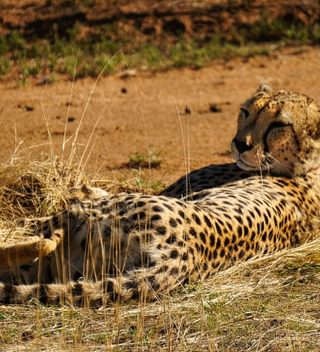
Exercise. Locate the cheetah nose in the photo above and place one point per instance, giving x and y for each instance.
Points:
(242, 146)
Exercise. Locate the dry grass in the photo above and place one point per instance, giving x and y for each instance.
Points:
(266, 304)
(269, 304)
(32, 189)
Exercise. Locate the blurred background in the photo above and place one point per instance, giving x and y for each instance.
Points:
(48, 38)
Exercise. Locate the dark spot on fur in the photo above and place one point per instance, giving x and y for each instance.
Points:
(239, 219)
(257, 210)
(196, 218)
(171, 239)
(161, 230)
(174, 271)
(109, 288)
(155, 217)
(138, 216)
(249, 221)
(140, 204)
(172, 222)
(212, 240)
(77, 289)
(192, 232)
(179, 221)
(207, 221)
(203, 237)
(42, 294)
(8, 293)
(218, 228)
(157, 209)
(168, 206)
(181, 214)
(174, 254)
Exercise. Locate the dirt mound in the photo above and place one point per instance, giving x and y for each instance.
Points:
(157, 21)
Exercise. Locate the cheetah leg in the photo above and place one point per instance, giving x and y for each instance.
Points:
(23, 253)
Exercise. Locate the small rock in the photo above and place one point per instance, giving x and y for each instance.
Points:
(25, 107)
(124, 90)
(71, 119)
(214, 108)
(127, 73)
(44, 81)
(187, 110)
(119, 128)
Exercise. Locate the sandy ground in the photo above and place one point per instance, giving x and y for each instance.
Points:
(166, 114)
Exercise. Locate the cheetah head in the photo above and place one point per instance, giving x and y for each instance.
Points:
(278, 131)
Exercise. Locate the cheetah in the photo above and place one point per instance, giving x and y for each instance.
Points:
(135, 246)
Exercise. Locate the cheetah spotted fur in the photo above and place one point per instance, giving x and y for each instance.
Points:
(134, 246)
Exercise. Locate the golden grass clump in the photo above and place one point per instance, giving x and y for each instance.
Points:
(32, 189)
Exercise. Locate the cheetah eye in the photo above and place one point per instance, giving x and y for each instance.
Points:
(244, 112)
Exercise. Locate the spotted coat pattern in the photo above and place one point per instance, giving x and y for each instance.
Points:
(135, 246)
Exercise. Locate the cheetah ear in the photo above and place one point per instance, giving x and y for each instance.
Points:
(264, 88)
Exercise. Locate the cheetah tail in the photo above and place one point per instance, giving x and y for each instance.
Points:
(81, 293)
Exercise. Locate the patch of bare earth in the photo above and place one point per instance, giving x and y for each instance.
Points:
(185, 117)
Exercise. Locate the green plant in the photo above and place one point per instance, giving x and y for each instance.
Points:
(5, 65)
(140, 160)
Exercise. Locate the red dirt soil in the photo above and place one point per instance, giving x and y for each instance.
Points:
(147, 113)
